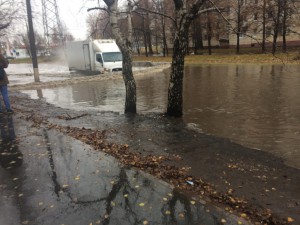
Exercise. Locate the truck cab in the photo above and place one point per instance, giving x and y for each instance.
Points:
(108, 56)
(109, 61)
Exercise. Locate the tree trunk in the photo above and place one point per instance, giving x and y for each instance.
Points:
(238, 28)
(176, 79)
(183, 21)
(284, 26)
(125, 45)
(165, 46)
(209, 33)
(130, 103)
(276, 28)
(137, 43)
(263, 47)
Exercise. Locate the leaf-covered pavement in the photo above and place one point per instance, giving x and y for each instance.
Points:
(162, 166)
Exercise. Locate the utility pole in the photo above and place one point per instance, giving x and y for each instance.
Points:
(53, 30)
(32, 43)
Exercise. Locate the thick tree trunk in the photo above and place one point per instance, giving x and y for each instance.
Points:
(125, 45)
(183, 21)
(176, 79)
(130, 103)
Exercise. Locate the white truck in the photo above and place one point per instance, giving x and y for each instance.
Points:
(96, 56)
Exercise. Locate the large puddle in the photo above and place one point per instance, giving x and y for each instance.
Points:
(256, 106)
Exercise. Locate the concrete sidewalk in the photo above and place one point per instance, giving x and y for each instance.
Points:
(47, 177)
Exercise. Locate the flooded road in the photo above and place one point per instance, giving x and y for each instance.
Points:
(257, 106)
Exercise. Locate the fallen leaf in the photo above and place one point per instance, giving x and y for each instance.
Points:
(290, 220)
(167, 212)
(181, 215)
(223, 221)
(244, 215)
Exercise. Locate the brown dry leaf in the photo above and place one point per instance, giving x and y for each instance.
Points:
(181, 215)
(290, 220)
(244, 215)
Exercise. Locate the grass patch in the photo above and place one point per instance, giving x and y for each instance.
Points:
(252, 58)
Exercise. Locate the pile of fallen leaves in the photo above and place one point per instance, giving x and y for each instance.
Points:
(157, 166)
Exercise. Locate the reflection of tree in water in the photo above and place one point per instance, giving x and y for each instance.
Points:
(127, 197)
(10, 156)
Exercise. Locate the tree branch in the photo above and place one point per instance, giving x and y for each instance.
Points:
(98, 8)
(153, 12)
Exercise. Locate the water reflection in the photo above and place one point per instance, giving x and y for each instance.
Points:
(10, 156)
(94, 189)
(255, 105)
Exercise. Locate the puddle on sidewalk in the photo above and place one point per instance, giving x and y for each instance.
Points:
(62, 181)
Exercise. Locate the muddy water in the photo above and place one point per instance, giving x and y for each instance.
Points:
(256, 106)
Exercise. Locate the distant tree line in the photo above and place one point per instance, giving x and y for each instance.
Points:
(261, 23)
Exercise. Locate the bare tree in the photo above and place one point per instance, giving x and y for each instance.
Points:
(8, 12)
(183, 20)
(124, 41)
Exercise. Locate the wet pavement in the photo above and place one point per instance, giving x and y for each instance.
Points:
(50, 178)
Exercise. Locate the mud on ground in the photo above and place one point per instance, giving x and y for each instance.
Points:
(251, 183)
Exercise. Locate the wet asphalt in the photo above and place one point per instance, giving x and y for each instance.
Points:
(47, 177)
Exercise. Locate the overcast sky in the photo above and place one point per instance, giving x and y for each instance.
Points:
(73, 13)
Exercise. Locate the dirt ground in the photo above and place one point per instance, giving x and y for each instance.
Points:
(251, 183)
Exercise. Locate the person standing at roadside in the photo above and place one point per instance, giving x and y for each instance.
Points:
(3, 84)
